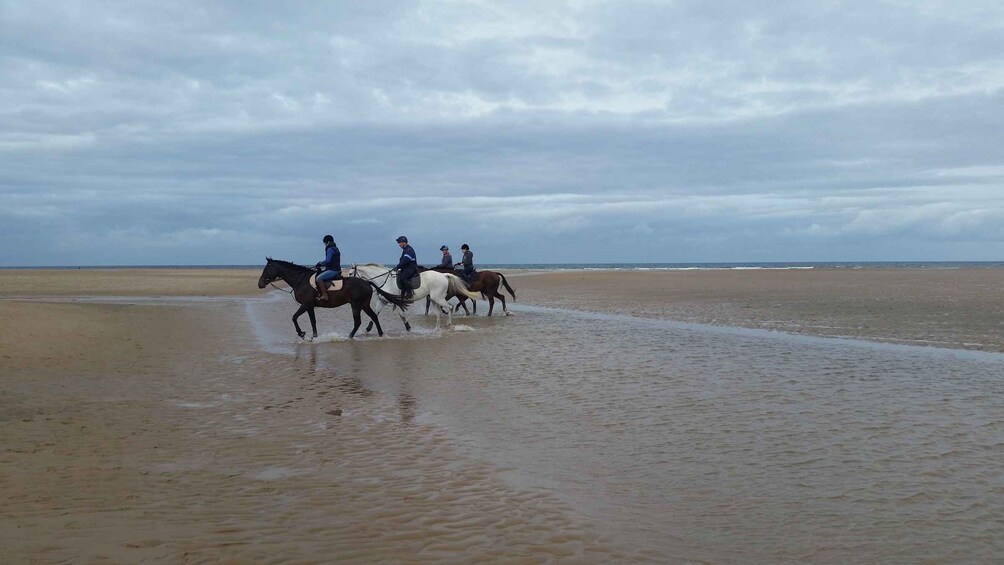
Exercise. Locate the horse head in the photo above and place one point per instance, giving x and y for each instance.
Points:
(268, 274)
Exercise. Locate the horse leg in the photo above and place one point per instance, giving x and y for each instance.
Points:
(296, 325)
(444, 307)
(357, 320)
(373, 318)
(379, 307)
(404, 320)
(505, 309)
(491, 305)
(428, 302)
(313, 320)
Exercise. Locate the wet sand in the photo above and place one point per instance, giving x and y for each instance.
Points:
(135, 432)
(165, 432)
(956, 308)
(128, 282)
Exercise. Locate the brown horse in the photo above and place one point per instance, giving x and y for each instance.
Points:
(355, 291)
(485, 282)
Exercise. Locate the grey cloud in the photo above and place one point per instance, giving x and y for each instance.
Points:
(215, 132)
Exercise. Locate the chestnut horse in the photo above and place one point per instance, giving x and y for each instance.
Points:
(485, 282)
(355, 291)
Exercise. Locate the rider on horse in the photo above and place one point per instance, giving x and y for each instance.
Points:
(468, 263)
(447, 258)
(331, 266)
(407, 267)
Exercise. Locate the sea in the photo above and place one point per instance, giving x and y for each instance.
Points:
(626, 266)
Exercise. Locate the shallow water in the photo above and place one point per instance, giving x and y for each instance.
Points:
(548, 436)
(695, 443)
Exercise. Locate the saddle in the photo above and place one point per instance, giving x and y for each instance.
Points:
(330, 285)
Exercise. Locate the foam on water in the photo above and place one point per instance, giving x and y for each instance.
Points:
(196, 405)
(330, 337)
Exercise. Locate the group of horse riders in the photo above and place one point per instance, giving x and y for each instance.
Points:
(407, 266)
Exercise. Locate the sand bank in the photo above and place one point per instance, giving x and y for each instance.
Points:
(129, 282)
(961, 308)
(957, 308)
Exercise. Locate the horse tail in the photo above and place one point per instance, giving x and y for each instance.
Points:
(506, 283)
(458, 287)
(395, 300)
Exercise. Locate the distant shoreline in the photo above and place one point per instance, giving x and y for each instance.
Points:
(768, 265)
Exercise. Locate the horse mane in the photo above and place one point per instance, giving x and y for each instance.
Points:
(289, 264)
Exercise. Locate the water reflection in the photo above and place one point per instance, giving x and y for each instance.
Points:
(408, 406)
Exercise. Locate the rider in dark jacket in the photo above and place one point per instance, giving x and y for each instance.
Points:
(467, 262)
(331, 266)
(406, 267)
(447, 258)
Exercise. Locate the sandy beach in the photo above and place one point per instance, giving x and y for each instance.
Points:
(128, 282)
(179, 430)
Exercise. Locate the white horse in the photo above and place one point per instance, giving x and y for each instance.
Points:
(437, 286)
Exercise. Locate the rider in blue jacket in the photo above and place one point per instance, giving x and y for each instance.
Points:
(331, 266)
(406, 267)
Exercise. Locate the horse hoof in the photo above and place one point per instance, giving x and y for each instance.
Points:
(302, 335)
(407, 327)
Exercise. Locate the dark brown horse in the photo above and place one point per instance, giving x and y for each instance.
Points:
(355, 291)
(485, 282)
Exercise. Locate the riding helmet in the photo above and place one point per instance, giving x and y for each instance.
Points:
(402, 239)
(328, 239)
(444, 248)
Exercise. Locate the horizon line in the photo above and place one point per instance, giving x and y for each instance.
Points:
(244, 265)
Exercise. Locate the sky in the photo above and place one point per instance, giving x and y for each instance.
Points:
(216, 133)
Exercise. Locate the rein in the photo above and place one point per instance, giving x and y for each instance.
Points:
(282, 289)
(386, 275)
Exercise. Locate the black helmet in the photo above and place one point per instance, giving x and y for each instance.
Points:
(465, 246)
(444, 248)
(328, 239)
(401, 239)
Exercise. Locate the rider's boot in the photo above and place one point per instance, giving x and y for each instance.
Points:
(322, 290)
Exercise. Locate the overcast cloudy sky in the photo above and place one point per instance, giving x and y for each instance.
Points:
(581, 131)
